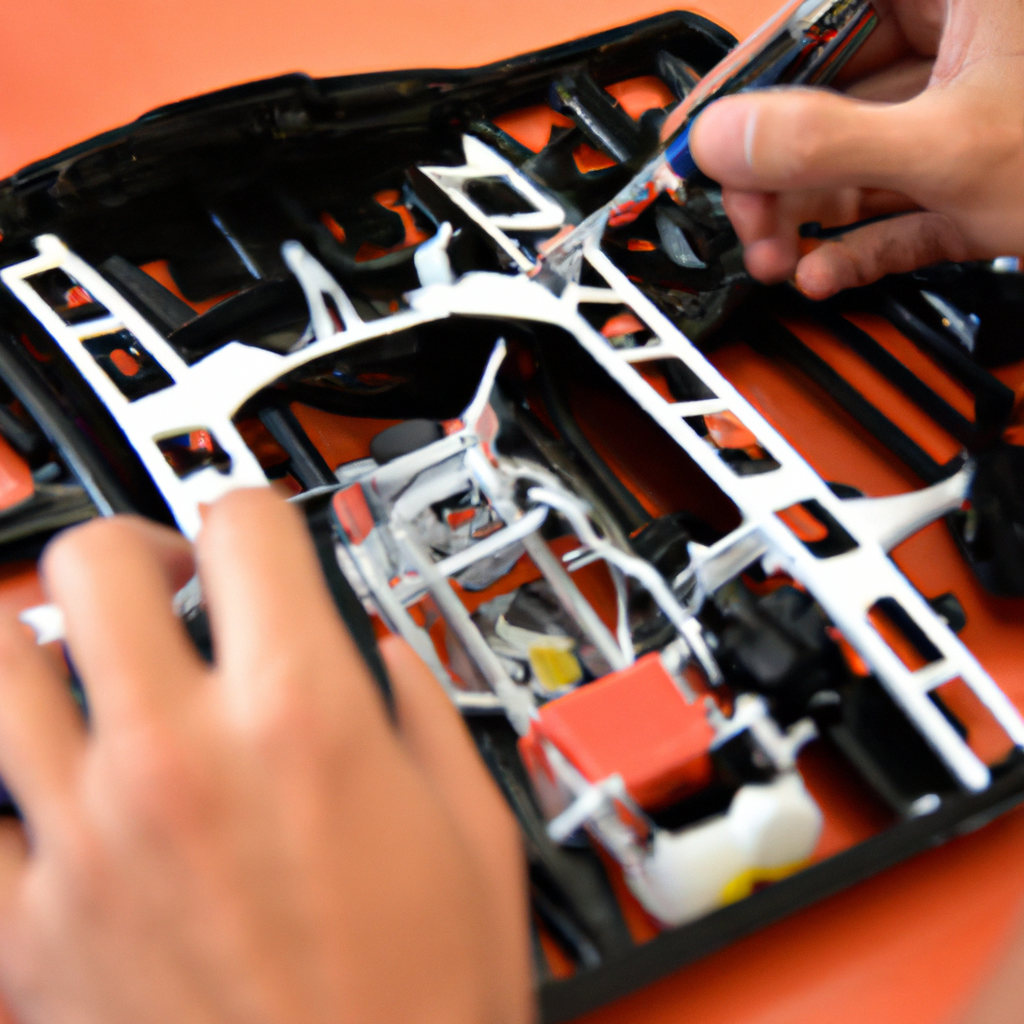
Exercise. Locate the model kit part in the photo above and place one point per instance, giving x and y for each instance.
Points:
(636, 723)
(769, 832)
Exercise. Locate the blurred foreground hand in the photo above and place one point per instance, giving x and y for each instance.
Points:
(932, 121)
(252, 842)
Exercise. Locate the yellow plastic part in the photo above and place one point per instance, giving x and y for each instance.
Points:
(553, 666)
(743, 884)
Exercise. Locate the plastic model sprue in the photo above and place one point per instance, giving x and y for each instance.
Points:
(615, 499)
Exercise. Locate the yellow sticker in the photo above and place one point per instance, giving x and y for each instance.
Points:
(743, 884)
(554, 667)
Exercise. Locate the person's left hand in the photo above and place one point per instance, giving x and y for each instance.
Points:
(251, 842)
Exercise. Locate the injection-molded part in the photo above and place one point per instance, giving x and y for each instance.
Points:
(768, 833)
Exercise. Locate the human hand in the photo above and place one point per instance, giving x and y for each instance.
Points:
(932, 122)
(250, 842)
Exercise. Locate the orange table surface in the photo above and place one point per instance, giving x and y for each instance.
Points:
(910, 945)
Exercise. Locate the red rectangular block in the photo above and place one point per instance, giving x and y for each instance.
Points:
(637, 723)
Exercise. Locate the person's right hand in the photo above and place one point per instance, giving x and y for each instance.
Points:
(932, 122)
(251, 842)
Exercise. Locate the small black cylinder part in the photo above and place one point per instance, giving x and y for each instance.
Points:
(403, 438)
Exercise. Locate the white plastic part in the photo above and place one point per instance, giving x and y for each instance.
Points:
(431, 258)
(846, 586)
(317, 283)
(484, 163)
(205, 395)
(751, 712)
(594, 798)
(894, 519)
(768, 832)
(46, 621)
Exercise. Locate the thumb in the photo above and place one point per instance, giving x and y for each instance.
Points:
(783, 139)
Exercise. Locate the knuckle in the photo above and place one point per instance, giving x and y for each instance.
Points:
(287, 716)
(161, 781)
(87, 867)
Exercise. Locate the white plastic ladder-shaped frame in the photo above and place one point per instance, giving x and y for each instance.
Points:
(847, 586)
(204, 395)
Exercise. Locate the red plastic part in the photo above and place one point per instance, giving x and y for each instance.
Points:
(637, 723)
(353, 513)
(15, 477)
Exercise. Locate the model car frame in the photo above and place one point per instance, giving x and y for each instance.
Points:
(368, 293)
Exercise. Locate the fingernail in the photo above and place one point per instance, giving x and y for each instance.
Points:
(723, 138)
(748, 137)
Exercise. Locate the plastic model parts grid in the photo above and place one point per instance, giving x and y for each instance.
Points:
(420, 350)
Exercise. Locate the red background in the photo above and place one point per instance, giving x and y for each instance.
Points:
(909, 946)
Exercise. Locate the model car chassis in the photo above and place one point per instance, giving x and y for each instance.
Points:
(544, 459)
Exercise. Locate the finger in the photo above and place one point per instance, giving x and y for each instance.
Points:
(114, 580)
(771, 246)
(754, 215)
(906, 31)
(900, 81)
(893, 246)
(769, 224)
(42, 733)
(173, 553)
(273, 621)
(785, 139)
(437, 739)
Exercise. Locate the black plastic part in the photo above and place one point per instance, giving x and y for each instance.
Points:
(995, 297)
(772, 339)
(403, 438)
(572, 939)
(606, 125)
(664, 540)
(990, 532)
(162, 308)
(677, 74)
(663, 543)
(993, 400)
(90, 470)
(24, 439)
(877, 356)
(950, 608)
(496, 197)
(305, 462)
(272, 314)
(776, 645)
(619, 498)
(573, 879)
(890, 754)
(959, 814)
